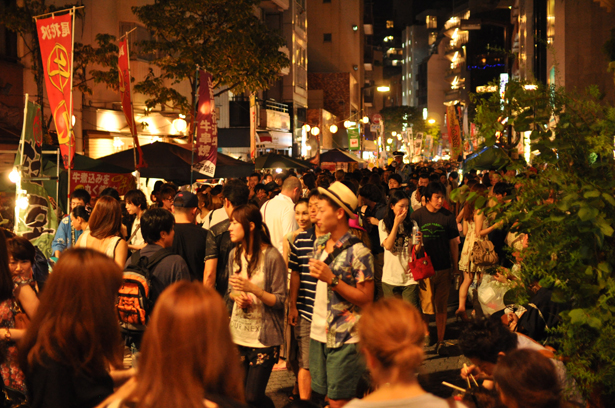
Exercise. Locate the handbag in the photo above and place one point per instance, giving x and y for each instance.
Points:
(483, 254)
(12, 398)
(420, 268)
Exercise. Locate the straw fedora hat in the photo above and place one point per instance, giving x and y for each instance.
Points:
(343, 196)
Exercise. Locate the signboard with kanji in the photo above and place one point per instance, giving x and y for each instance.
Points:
(207, 128)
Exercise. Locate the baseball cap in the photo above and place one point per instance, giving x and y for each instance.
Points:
(185, 199)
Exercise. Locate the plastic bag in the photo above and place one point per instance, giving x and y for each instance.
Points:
(491, 294)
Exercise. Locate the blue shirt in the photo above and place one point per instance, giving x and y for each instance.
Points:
(64, 236)
(298, 262)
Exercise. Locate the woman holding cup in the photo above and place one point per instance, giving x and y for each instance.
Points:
(258, 288)
(397, 239)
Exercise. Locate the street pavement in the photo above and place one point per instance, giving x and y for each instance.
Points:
(434, 370)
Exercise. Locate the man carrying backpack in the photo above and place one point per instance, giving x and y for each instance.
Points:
(154, 266)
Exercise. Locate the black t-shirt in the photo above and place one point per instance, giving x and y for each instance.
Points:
(189, 243)
(219, 246)
(57, 385)
(438, 229)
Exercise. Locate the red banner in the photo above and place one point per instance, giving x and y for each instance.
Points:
(454, 132)
(207, 128)
(95, 182)
(56, 42)
(125, 96)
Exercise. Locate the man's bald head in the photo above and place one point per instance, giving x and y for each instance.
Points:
(292, 188)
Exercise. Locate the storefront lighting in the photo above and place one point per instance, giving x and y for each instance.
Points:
(431, 121)
(308, 147)
(530, 87)
(278, 170)
(389, 140)
(14, 176)
(315, 131)
(181, 115)
(73, 120)
(348, 124)
(180, 125)
(365, 119)
(398, 137)
(22, 202)
(333, 128)
(383, 88)
(306, 127)
(394, 133)
(117, 142)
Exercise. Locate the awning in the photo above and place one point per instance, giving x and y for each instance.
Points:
(339, 156)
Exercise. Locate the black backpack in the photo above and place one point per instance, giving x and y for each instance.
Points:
(133, 302)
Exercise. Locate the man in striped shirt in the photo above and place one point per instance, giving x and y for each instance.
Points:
(302, 294)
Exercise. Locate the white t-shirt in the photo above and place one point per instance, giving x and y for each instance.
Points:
(414, 202)
(216, 216)
(395, 268)
(137, 239)
(318, 329)
(279, 216)
(246, 323)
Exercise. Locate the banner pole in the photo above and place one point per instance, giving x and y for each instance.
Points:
(20, 154)
(194, 108)
(133, 129)
(71, 136)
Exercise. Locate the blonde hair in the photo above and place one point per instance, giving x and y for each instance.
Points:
(392, 331)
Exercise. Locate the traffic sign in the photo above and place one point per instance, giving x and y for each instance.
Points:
(376, 118)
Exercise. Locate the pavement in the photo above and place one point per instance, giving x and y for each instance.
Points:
(432, 372)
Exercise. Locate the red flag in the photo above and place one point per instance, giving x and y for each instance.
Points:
(124, 70)
(207, 128)
(56, 42)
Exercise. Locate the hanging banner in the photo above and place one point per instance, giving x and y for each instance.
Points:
(354, 140)
(252, 126)
(418, 144)
(35, 215)
(95, 182)
(207, 127)
(56, 43)
(454, 132)
(125, 96)
(428, 146)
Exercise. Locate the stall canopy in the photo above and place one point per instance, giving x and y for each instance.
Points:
(172, 162)
(277, 161)
(489, 158)
(339, 156)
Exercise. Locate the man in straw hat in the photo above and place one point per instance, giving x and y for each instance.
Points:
(344, 269)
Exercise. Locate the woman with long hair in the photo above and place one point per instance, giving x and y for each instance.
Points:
(106, 231)
(74, 339)
(525, 378)
(396, 238)
(391, 336)
(475, 228)
(17, 297)
(258, 288)
(187, 355)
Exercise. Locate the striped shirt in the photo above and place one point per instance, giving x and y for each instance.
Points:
(298, 262)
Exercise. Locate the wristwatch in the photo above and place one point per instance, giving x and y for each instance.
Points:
(334, 281)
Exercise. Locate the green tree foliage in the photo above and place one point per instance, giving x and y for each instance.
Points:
(399, 118)
(230, 42)
(568, 212)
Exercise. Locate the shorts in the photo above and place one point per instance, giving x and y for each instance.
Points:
(302, 335)
(335, 371)
(408, 293)
(440, 289)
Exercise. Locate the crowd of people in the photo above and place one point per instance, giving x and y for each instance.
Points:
(311, 268)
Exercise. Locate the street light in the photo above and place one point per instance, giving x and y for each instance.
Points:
(333, 128)
(315, 131)
(431, 121)
(306, 127)
(365, 119)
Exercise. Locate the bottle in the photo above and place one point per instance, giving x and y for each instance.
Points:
(415, 230)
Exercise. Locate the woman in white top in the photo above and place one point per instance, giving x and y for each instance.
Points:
(105, 231)
(391, 336)
(396, 238)
(258, 288)
(136, 204)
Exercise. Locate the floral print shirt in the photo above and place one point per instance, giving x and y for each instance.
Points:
(353, 265)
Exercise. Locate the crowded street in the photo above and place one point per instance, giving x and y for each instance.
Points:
(307, 204)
